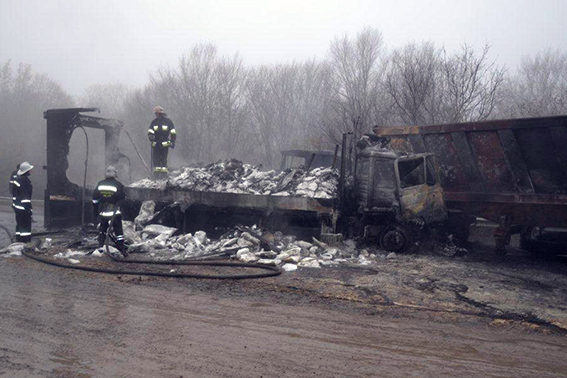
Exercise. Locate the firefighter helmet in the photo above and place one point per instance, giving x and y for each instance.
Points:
(158, 109)
(111, 172)
(24, 167)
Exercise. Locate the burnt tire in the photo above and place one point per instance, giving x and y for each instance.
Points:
(396, 239)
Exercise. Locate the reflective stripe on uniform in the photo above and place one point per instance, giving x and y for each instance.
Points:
(150, 131)
(173, 131)
(26, 201)
(156, 127)
(164, 127)
(165, 144)
(19, 207)
(17, 184)
(109, 213)
(25, 233)
(108, 188)
(95, 201)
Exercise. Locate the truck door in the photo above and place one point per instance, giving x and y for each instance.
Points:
(420, 192)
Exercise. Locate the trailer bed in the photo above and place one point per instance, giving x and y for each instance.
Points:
(261, 203)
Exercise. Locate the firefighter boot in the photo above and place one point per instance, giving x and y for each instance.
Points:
(122, 247)
(101, 239)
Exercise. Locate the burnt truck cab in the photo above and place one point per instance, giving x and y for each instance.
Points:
(397, 195)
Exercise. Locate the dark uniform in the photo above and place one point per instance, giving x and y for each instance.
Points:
(106, 201)
(13, 177)
(21, 203)
(162, 134)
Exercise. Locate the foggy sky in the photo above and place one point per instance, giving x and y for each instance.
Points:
(79, 43)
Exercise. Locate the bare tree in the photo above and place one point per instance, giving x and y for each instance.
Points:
(470, 85)
(285, 103)
(24, 96)
(412, 82)
(110, 98)
(539, 88)
(357, 71)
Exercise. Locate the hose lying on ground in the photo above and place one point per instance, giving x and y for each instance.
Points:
(272, 270)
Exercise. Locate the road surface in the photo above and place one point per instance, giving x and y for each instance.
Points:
(63, 323)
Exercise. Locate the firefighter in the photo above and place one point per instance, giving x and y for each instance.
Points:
(21, 202)
(162, 135)
(13, 177)
(107, 197)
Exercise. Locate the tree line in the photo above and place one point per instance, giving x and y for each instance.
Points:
(225, 109)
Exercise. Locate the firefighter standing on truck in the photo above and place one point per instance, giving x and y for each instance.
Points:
(106, 204)
(162, 136)
(21, 202)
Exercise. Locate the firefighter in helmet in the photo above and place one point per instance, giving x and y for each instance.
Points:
(21, 202)
(162, 135)
(106, 204)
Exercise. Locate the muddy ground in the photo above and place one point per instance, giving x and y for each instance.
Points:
(477, 282)
(422, 315)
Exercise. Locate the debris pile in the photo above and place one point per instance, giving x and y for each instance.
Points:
(246, 244)
(232, 176)
(242, 243)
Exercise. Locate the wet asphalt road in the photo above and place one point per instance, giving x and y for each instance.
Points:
(63, 323)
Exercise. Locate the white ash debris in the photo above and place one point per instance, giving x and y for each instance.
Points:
(232, 176)
(147, 211)
(245, 244)
(150, 184)
(14, 249)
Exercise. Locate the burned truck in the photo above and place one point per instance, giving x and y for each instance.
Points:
(512, 172)
(398, 196)
(390, 197)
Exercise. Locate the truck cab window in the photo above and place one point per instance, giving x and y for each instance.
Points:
(412, 172)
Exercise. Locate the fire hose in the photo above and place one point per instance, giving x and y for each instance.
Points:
(271, 270)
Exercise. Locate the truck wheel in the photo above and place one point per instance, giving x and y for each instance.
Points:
(396, 239)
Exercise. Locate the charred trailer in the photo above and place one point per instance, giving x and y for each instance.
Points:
(66, 203)
(398, 196)
(512, 172)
